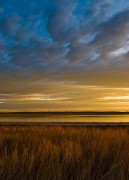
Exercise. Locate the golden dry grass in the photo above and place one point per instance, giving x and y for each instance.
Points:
(64, 153)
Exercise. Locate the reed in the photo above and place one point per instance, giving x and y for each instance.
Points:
(64, 153)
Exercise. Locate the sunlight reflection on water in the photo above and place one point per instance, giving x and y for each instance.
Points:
(68, 118)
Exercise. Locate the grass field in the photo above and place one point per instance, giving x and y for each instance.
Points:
(64, 153)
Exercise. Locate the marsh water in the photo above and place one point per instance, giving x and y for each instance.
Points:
(67, 118)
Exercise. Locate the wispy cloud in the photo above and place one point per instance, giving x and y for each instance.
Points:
(30, 97)
(116, 98)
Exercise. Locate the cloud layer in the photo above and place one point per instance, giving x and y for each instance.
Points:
(49, 46)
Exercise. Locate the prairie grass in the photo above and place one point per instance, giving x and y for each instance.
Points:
(64, 153)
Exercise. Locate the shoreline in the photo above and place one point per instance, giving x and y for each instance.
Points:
(74, 124)
(54, 114)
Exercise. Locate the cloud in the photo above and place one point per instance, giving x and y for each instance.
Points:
(63, 32)
(25, 98)
(116, 98)
(44, 43)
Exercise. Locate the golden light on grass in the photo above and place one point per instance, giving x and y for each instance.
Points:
(69, 152)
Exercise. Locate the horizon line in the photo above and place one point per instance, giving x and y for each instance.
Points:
(64, 112)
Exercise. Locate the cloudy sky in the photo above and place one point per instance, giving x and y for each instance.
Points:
(64, 55)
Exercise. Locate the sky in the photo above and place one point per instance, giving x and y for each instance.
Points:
(64, 55)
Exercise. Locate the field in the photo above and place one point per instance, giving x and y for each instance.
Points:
(34, 152)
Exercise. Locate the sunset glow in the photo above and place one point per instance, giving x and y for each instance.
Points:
(64, 55)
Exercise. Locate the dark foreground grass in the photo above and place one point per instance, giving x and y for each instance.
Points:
(64, 153)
